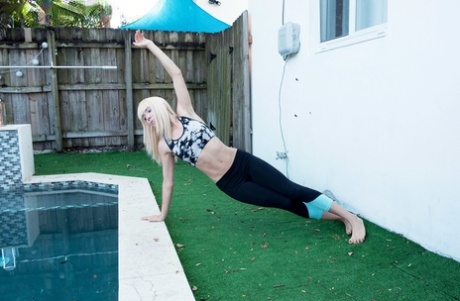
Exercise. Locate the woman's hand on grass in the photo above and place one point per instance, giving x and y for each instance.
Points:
(153, 218)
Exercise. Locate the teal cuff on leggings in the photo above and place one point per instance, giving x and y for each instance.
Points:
(318, 206)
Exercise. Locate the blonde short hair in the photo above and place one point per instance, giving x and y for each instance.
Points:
(162, 113)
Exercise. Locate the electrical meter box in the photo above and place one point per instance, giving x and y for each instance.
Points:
(288, 39)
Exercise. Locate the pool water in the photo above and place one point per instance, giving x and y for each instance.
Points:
(59, 245)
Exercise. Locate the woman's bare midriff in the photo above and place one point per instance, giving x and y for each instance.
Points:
(216, 159)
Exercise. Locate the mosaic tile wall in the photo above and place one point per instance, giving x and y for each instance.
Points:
(85, 185)
(10, 163)
(13, 220)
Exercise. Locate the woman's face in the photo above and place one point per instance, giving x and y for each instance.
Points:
(148, 116)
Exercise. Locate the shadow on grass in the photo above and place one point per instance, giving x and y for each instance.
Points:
(233, 251)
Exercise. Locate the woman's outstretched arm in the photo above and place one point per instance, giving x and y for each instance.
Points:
(167, 163)
(184, 103)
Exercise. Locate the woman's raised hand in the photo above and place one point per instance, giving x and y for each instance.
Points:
(140, 40)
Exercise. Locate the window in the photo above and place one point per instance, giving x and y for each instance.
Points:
(334, 19)
(345, 22)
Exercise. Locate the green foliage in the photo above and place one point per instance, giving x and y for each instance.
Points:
(68, 13)
(8, 12)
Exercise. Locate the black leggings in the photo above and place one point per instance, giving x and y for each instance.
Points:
(254, 181)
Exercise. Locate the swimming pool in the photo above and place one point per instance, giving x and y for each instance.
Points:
(59, 241)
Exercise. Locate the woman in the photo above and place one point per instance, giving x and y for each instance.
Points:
(242, 176)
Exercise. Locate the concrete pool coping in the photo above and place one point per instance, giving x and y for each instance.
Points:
(148, 264)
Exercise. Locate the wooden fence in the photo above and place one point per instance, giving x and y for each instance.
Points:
(229, 84)
(78, 102)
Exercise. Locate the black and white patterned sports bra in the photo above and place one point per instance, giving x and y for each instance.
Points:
(194, 138)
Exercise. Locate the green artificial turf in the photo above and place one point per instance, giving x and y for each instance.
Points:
(233, 251)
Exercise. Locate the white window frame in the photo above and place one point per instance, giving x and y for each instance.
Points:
(353, 37)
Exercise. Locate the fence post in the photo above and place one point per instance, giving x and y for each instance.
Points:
(129, 89)
(50, 37)
(241, 85)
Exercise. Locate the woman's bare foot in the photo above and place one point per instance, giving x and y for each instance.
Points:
(354, 225)
(347, 226)
(330, 216)
(358, 230)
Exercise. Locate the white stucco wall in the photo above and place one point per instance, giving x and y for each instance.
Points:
(376, 123)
